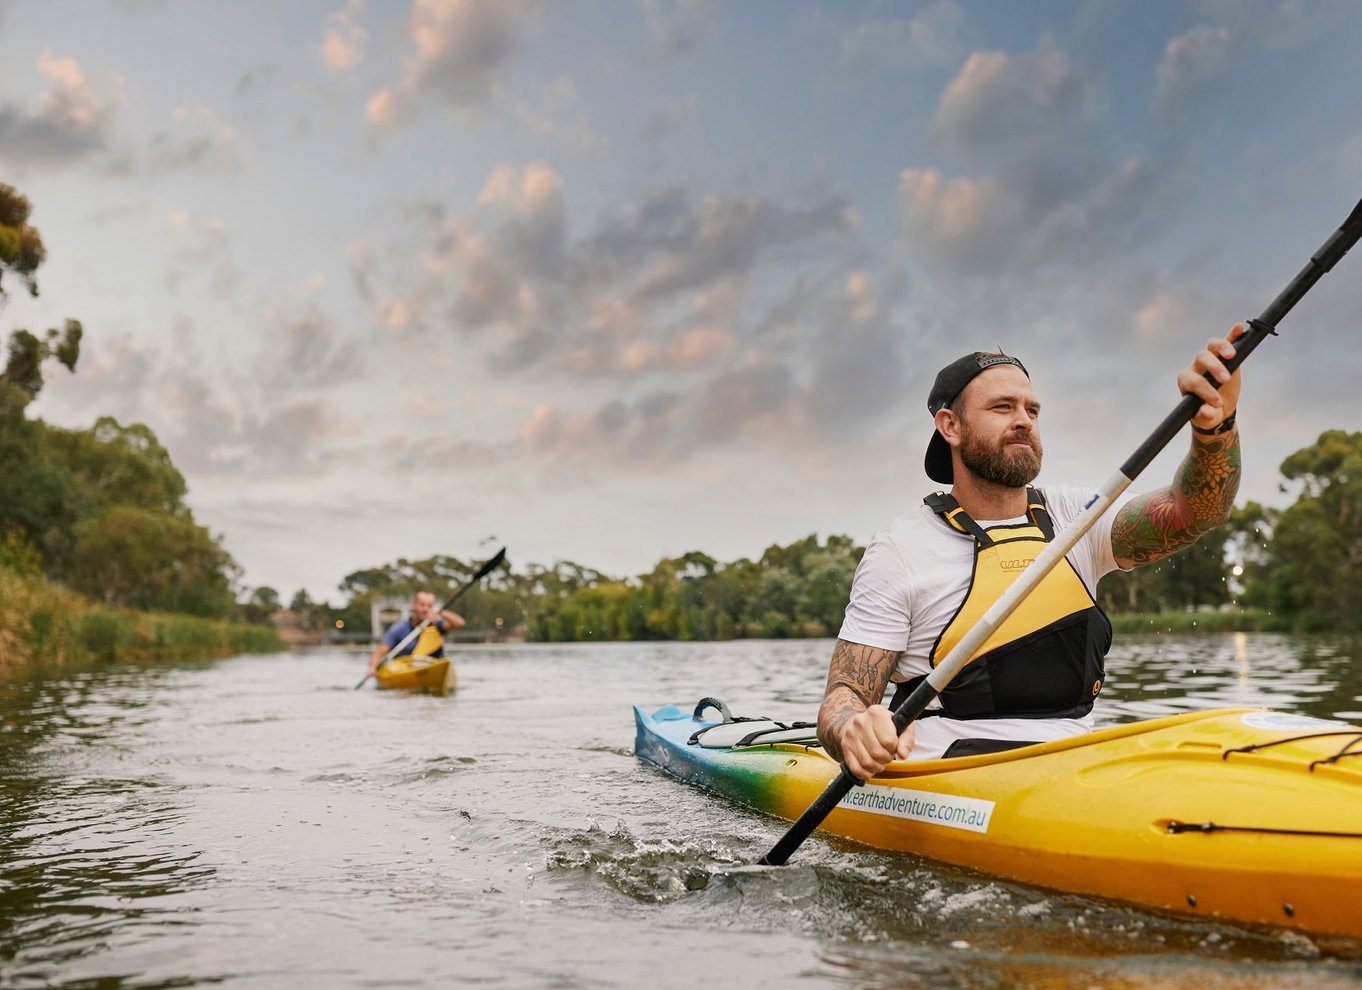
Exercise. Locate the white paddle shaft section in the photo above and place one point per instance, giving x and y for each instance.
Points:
(1045, 562)
(407, 639)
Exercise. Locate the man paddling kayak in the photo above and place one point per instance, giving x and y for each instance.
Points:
(933, 572)
(431, 641)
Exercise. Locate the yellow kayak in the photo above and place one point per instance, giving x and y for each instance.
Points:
(417, 674)
(1241, 814)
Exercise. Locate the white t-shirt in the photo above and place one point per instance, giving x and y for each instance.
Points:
(912, 580)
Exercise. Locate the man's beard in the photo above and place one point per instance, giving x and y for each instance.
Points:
(1010, 467)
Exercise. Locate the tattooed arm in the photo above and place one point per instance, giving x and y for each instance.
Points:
(1152, 526)
(852, 724)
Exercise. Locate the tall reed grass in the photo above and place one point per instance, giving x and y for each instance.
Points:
(44, 623)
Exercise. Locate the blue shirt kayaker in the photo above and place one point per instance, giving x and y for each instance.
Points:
(430, 643)
(921, 580)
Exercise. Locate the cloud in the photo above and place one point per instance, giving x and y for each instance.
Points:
(202, 142)
(214, 422)
(305, 349)
(1201, 59)
(1047, 187)
(656, 285)
(556, 114)
(1020, 106)
(459, 49)
(842, 370)
(677, 27)
(929, 38)
(672, 116)
(71, 123)
(204, 253)
(719, 319)
(438, 452)
(343, 39)
(1275, 23)
(744, 407)
(1192, 63)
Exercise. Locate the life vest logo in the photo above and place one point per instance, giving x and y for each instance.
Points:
(1016, 565)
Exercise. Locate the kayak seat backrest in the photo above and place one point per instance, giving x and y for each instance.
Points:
(741, 732)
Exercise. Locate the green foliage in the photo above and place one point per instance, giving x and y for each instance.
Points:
(112, 464)
(1233, 620)
(18, 555)
(38, 498)
(1310, 570)
(41, 622)
(104, 508)
(1195, 577)
(21, 246)
(796, 590)
(22, 379)
(103, 633)
(150, 559)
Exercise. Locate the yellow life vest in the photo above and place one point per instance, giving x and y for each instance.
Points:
(431, 643)
(1047, 659)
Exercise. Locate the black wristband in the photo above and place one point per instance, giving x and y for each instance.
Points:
(1224, 426)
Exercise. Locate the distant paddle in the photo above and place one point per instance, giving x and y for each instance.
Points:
(483, 571)
(1258, 330)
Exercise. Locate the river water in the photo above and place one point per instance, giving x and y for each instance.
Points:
(256, 822)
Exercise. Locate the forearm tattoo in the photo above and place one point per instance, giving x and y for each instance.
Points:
(857, 678)
(1152, 526)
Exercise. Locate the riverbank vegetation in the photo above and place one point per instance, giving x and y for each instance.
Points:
(44, 624)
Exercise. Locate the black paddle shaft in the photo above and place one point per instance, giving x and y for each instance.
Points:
(1257, 331)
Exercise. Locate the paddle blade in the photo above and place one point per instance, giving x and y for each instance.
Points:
(491, 565)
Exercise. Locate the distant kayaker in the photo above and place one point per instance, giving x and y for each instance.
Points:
(932, 573)
(431, 641)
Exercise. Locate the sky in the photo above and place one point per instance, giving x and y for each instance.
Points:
(615, 280)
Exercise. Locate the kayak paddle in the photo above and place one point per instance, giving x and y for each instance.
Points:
(483, 571)
(1258, 330)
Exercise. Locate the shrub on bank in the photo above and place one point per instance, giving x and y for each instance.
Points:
(1243, 620)
(45, 623)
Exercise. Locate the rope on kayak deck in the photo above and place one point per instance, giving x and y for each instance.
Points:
(1178, 828)
(1353, 747)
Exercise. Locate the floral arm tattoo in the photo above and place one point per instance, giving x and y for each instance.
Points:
(1152, 526)
(857, 678)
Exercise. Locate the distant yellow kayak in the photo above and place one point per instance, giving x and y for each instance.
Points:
(417, 674)
(1239, 814)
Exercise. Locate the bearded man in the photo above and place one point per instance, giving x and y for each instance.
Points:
(933, 572)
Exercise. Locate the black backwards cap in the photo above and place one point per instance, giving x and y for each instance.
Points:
(950, 382)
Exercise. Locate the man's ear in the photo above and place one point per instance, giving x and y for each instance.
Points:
(948, 425)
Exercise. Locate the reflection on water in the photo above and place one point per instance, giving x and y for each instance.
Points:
(1163, 675)
(88, 853)
(257, 823)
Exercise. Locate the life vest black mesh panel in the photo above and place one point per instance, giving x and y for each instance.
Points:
(1026, 677)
